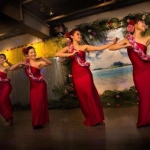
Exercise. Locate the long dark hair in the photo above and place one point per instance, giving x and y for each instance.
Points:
(72, 33)
(26, 50)
(3, 56)
(137, 20)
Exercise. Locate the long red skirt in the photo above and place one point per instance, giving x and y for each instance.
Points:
(141, 76)
(89, 100)
(142, 83)
(5, 102)
(39, 103)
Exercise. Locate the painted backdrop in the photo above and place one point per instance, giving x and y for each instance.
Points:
(111, 69)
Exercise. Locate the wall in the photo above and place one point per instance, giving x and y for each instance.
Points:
(18, 41)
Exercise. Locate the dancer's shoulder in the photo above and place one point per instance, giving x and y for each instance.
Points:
(147, 40)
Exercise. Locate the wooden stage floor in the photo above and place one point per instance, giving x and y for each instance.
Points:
(66, 132)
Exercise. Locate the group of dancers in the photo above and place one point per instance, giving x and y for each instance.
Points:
(38, 87)
(88, 96)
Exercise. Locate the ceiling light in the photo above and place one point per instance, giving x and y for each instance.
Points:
(51, 13)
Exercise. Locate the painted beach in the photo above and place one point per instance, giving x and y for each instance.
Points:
(113, 79)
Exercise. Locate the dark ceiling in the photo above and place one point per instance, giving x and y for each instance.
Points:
(67, 10)
(50, 12)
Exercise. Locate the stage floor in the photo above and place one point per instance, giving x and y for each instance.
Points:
(66, 132)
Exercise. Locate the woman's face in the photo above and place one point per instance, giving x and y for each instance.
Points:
(2, 59)
(32, 54)
(140, 25)
(76, 36)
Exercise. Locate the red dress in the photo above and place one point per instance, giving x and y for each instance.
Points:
(141, 77)
(38, 99)
(5, 103)
(88, 96)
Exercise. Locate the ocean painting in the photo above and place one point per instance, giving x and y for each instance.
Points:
(112, 70)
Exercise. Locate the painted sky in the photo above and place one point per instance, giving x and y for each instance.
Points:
(105, 58)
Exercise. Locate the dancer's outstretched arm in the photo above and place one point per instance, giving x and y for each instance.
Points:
(122, 44)
(19, 65)
(101, 47)
(64, 52)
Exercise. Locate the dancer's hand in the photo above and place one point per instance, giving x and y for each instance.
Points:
(6, 60)
(74, 52)
(128, 45)
(115, 40)
(22, 64)
(39, 58)
(9, 64)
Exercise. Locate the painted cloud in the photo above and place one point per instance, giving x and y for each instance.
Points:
(104, 59)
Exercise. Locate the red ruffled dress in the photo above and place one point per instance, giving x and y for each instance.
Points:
(38, 97)
(5, 102)
(86, 91)
(141, 76)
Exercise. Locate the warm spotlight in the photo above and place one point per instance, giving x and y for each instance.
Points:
(51, 13)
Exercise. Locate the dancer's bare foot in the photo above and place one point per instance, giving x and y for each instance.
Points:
(8, 123)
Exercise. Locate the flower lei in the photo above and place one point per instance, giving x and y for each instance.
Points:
(37, 79)
(77, 58)
(136, 48)
(4, 80)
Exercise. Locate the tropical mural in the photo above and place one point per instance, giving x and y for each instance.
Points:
(112, 70)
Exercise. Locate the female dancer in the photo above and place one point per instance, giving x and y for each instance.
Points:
(5, 90)
(38, 88)
(82, 78)
(136, 46)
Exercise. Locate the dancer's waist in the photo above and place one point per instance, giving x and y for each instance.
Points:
(80, 72)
